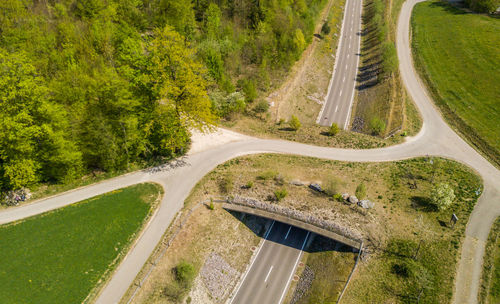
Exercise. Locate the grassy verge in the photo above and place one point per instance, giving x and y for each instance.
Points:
(328, 264)
(381, 95)
(393, 229)
(490, 280)
(60, 256)
(456, 54)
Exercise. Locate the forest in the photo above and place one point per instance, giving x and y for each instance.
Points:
(99, 85)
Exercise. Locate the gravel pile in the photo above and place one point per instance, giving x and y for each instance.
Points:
(218, 276)
(297, 215)
(303, 285)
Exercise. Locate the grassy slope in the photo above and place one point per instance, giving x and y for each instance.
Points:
(490, 282)
(59, 257)
(457, 54)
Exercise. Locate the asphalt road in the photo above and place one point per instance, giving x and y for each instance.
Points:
(435, 138)
(269, 276)
(338, 103)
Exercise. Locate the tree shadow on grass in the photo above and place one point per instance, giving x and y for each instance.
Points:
(423, 203)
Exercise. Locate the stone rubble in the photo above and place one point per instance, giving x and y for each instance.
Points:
(218, 276)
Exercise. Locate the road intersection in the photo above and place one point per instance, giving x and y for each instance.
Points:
(436, 138)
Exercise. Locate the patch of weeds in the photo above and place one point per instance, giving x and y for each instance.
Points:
(280, 194)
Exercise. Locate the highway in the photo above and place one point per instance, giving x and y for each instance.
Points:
(338, 103)
(270, 274)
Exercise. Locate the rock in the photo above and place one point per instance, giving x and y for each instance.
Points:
(353, 199)
(296, 183)
(316, 187)
(345, 196)
(366, 204)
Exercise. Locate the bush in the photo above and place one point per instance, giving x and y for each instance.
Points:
(295, 123)
(211, 206)
(249, 185)
(185, 273)
(249, 90)
(483, 6)
(280, 194)
(377, 126)
(332, 185)
(269, 174)
(361, 191)
(261, 107)
(226, 184)
(389, 58)
(338, 197)
(333, 130)
(325, 29)
(442, 196)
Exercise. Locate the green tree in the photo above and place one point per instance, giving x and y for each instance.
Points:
(325, 28)
(442, 196)
(361, 191)
(334, 129)
(295, 123)
(178, 79)
(32, 137)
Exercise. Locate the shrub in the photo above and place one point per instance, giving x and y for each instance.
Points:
(333, 130)
(185, 273)
(280, 194)
(226, 184)
(269, 174)
(377, 126)
(325, 29)
(338, 197)
(211, 206)
(332, 185)
(442, 196)
(261, 107)
(295, 123)
(249, 90)
(249, 185)
(361, 191)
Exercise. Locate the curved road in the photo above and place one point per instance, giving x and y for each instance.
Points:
(179, 177)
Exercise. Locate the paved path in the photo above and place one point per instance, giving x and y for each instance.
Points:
(268, 278)
(338, 103)
(435, 138)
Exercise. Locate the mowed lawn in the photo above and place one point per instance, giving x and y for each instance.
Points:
(459, 55)
(60, 256)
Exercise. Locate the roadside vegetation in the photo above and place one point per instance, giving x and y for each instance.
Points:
(91, 85)
(457, 54)
(64, 256)
(382, 107)
(490, 280)
(411, 246)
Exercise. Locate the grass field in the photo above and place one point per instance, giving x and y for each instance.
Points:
(457, 54)
(402, 216)
(60, 256)
(490, 281)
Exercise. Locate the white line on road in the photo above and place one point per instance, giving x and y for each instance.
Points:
(343, 79)
(336, 108)
(251, 264)
(294, 267)
(346, 66)
(340, 93)
(286, 236)
(348, 55)
(267, 276)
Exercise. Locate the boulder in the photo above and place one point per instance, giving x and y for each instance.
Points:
(366, 204)
(345, 196)
(353, 199)
(316, 187)
(296, 183)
